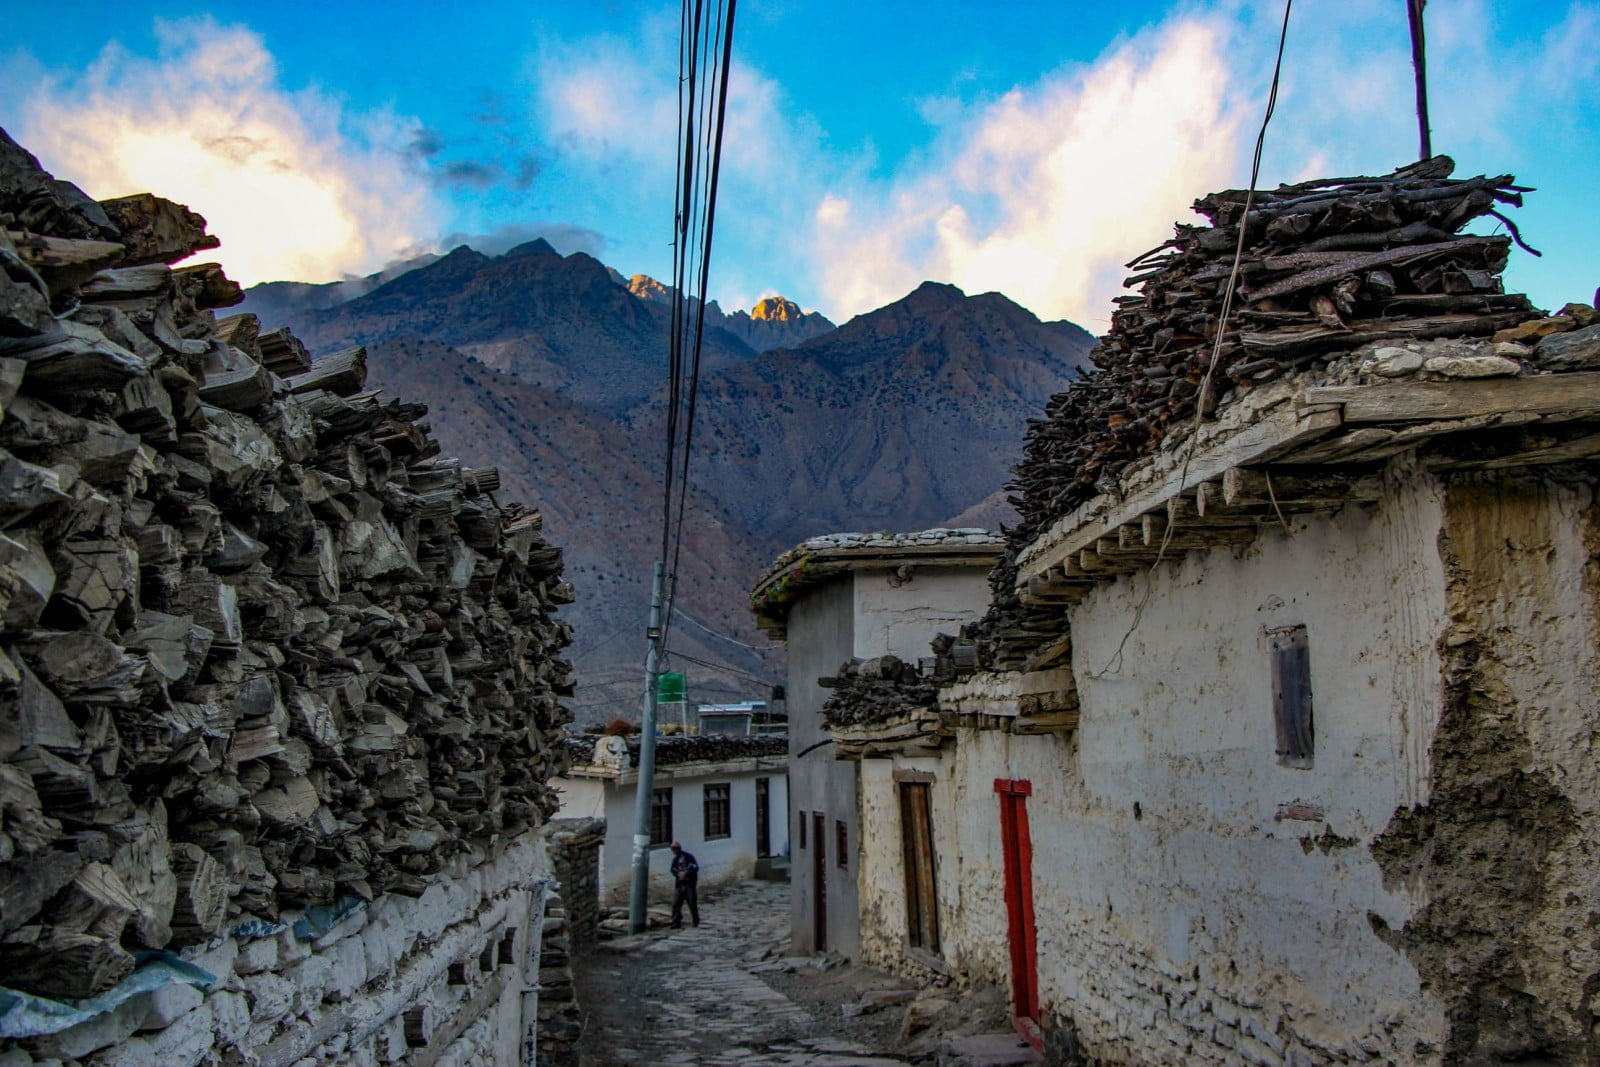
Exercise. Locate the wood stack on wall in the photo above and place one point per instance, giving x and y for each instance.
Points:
(260, 644)
(874, 690)
(1327, 266)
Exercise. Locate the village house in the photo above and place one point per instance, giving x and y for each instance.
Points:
(725, 797)
(830, 599)
(1277, 744)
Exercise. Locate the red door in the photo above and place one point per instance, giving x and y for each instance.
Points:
(1017, 847)
(819, 879)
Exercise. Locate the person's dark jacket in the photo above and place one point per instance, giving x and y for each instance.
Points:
(685, 868)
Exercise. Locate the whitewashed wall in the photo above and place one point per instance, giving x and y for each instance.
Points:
(460, 962)
(722, 860)
(1195, 900)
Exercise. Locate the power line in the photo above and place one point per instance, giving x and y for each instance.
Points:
(725, 668)
(702, 76)
(692, 621)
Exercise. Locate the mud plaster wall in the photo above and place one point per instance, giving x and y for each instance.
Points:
(1504, 852)
(900, 613)
(1195, 900)
(820, 638)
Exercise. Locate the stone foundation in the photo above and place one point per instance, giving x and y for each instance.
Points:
(450, 977)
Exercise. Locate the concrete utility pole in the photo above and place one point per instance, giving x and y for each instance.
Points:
(639, 895)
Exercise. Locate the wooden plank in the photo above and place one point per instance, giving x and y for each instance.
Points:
(1253, 444)
(1424, 401)
(1046, 722)
(1565, 452)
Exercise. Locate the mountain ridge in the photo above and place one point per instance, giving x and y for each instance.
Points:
(550, 368)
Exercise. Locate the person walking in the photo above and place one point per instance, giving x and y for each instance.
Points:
(686, 873)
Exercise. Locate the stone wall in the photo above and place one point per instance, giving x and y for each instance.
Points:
(449, 977)
(575, 861)
(560, 1020)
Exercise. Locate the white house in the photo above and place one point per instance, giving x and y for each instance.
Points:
(725, 798)
(831, 599)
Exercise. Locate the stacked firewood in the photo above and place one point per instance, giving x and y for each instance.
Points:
(876, 690)
(260, 644)
(674, 749)
(1327, 266)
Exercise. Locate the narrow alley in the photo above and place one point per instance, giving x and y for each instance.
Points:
(690, 996)
(723, 993)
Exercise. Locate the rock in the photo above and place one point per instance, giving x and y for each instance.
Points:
(1578, 350)
(170, 1003)
(1392, 362)
(1473, 366)
(1512, 350)
(923, 1013)
(987, 1050)
(1582, 314)
(1536, 328)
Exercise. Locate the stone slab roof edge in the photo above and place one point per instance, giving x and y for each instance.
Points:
(819, 557)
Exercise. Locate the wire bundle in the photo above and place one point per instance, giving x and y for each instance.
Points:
(704, 59)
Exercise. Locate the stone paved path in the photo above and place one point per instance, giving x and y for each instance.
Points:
(689, 997)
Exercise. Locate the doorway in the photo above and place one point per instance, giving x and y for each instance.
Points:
(763, 815)
(916, 838)
(1017, 848)
(819, 880)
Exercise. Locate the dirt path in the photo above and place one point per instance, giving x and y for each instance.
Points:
(690, 996)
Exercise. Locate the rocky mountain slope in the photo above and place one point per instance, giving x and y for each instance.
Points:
(594, 479)
(549, 366)
(899, 419)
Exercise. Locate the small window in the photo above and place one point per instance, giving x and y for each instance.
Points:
(1291, 696)
(661, 817)
(842, 839)
(801, 837)
(717, 821)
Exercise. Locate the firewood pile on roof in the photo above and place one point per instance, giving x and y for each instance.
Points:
(679, 749)
(260, 644)
(874, 690)
(1327, 266)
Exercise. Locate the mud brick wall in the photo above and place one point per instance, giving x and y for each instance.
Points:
(575, 860)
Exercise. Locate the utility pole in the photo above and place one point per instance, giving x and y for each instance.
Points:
(639, 896)
(1419, 64)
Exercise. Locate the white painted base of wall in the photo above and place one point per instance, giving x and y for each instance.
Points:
(346, 998)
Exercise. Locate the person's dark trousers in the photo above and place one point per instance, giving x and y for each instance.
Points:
(685, 892)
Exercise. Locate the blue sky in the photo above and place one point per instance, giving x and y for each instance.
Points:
(1024, 147)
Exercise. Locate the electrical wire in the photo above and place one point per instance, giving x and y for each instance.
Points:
(705, 62)
(697, 624)
(769, 680)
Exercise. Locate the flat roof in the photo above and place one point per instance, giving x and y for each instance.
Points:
(817, 559)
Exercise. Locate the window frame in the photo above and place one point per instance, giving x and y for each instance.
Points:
(841, 841)
(1293, 708)
(660, 799)
(801, 836)
(711, 802)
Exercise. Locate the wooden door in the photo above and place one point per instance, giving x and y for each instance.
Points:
(1017, 848)
(819, 881)
(916, 836)
(763, 814)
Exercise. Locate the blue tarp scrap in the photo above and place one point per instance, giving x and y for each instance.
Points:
(320, 918)
(257, 928)
(25, 1015)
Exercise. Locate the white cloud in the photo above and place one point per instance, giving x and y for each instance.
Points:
(295, 187)
(1043, 193)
